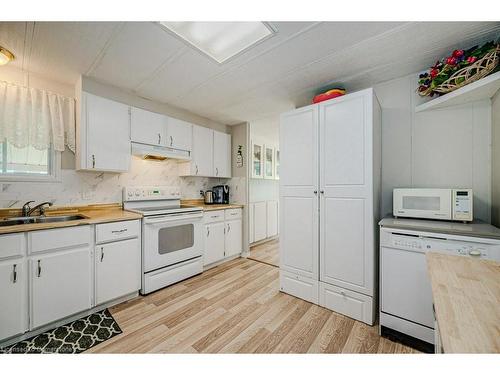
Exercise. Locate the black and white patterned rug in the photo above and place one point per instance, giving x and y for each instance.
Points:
(71, 338)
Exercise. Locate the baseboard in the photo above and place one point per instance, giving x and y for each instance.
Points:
(264, 241)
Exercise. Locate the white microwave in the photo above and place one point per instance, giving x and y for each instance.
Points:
(441, 204)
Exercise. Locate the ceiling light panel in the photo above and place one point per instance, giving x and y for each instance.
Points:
(220, 40)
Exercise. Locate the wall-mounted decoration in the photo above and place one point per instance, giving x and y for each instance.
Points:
(268, 162)
(459, 69)
(239, 157)
(257, 160)
(277, 164)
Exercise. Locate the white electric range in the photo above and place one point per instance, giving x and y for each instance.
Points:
(172, 243)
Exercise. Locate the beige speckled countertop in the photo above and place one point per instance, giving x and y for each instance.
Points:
(209, 207)
(94, 214)
(466, 296)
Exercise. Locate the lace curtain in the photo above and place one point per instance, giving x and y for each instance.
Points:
(37, 118)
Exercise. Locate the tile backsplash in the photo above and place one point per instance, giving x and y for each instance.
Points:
(83, 188)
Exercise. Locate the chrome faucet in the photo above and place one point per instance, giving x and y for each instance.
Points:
(39, 206)
(26, 208)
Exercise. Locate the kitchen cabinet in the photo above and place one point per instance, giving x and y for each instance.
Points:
(148, 127)
(257, 160)
(214, 242)
(60, 285)
(260, 221)
(272, 218)
(269, 163)
(222, 154)
(179, 134)
(201, 163)
(233, 238)
(103, 135)
(13, 294)
(329, 198)
(118, 266)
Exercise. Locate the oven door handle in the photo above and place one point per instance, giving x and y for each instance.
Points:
(171, 218)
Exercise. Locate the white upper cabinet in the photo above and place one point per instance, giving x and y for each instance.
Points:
(103, 135)
(201, 163)
(222, 154)
(148, 127)
(179, 134)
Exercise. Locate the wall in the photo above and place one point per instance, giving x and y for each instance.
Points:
(89, 187)
(264, 131)
(495, 166)
(440, 148)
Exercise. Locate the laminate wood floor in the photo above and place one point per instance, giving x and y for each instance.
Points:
(267, 252)
(237, 308)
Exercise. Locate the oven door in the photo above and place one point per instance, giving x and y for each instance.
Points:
(171, 239)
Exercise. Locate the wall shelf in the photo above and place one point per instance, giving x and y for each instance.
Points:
(484, 88)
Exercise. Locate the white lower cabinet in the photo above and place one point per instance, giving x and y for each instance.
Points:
(260, 221)
(61, 285)
(264, 221)
(118, 266)
(299, 286)
(14, 295)
(223, 235)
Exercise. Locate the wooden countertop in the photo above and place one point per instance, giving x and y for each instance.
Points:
(94, 214)
(466, 294)
(209, 207)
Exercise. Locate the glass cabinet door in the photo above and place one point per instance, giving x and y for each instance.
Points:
(269, 162)
(257, 160)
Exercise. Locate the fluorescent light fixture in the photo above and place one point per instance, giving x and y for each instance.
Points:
(5, 56)
(220, 40)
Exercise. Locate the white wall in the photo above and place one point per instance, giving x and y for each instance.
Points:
(264, 131)
(495, 178)
(440, 148)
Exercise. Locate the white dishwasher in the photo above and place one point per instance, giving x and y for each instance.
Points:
(405, 291)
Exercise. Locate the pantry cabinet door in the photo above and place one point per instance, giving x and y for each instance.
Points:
(148, 127)
(346, 195)
(118, 269)
(222, 155)
(299, 192)
(214, 243)
(60, 285)
(13, 297)
(107, 134)
(179, 134)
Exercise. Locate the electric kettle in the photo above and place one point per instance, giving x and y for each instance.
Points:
(208, 197)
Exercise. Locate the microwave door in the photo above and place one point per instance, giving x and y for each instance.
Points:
(423, 203)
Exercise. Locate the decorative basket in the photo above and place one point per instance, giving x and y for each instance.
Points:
(481, 68)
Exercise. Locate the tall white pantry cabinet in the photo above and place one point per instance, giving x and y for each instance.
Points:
(329, 201)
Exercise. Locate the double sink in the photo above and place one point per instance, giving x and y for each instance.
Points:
(38, 219)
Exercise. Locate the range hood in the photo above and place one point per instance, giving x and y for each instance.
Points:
(159, 152)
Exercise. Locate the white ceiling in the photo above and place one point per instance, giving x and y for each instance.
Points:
(281, 72)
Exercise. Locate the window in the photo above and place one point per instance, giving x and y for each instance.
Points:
(28, 163)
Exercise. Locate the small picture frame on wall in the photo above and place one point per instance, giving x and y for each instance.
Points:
(277, 164)
(269, 162)
(257, 160)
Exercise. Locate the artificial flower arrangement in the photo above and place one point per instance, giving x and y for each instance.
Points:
(459, 69)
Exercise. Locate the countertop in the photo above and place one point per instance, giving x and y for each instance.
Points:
(94, 214)
(474, 229)
(466, 295)
(209, 207)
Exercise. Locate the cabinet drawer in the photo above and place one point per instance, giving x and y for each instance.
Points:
(117, 231)
(346, 302)
(233, 213)
(12, 245)
(299, 286)
(54, 239)
(213, 216)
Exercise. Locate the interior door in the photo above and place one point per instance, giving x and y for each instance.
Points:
(214, 243)
(222, 154)
(346, 243)
(61, 285)
(108, 134)
(202, 157)
(148, 127)
(299, 192)
(179, 134)
(118, 266)
(234, 240)
(13, 294)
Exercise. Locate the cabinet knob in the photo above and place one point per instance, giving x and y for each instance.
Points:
(322, 191)
(315, 192)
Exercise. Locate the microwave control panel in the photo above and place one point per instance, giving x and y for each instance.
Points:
(462, 204)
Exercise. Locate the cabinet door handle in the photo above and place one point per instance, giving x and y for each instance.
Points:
(93, 161)
(228, 228)
(102, 253)
(216, 171)
(208, 231)
(171, 140)
(39, 270)
(119, 231)
(196, 169)
(14, 273)
(159, 138)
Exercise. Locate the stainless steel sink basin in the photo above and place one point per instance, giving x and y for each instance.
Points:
(38, 219)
